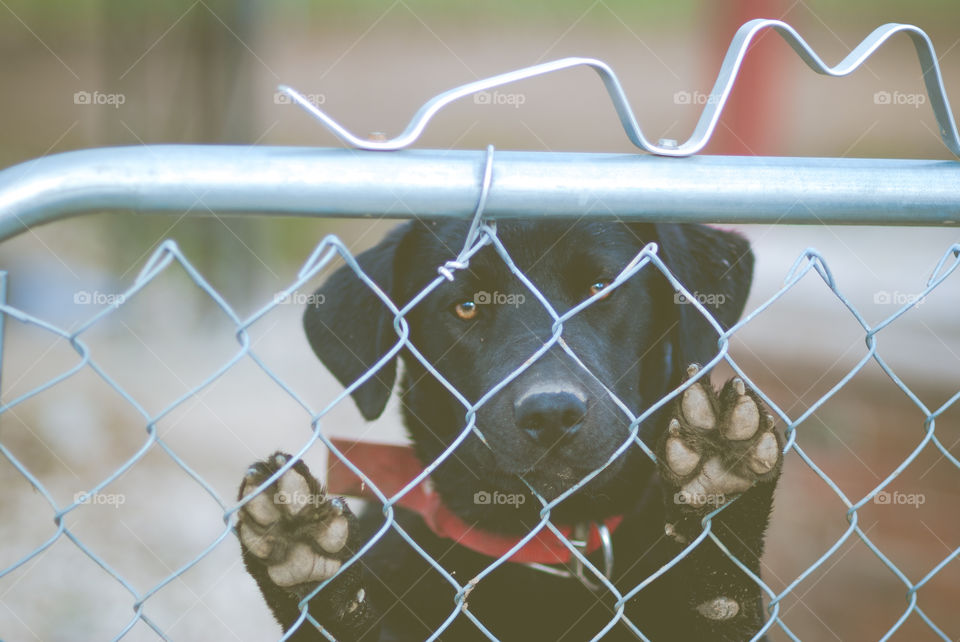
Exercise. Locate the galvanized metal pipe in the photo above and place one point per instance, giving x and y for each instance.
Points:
(342, 182)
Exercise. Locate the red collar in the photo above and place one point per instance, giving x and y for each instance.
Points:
(392, 467)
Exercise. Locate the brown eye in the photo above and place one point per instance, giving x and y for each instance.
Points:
(466, 310)
(600, 286)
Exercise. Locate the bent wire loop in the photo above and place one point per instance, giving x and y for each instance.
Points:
(714, 105)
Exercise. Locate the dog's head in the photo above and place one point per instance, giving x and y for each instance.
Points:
(556, 421)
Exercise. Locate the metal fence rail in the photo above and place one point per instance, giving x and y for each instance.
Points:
(339, 182)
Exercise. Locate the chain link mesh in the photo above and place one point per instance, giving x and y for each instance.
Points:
(168, 255)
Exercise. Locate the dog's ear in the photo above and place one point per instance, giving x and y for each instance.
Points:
(717, 267)
(350, 328)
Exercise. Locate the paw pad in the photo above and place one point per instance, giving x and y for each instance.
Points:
(717, 445)
(681, 458)
(744, 420)
(765, 454)
(298, 532)
(696, 405)
(302, 565)
(357, 601)
(719, 608)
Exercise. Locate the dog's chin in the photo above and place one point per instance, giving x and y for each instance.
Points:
(552, 477)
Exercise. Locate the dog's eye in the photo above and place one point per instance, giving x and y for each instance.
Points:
(466, 310)
(599, 286)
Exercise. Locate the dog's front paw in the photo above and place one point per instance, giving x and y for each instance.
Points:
(298, 535)
(717, 446)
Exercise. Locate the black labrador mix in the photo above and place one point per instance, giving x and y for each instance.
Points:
(545, 431)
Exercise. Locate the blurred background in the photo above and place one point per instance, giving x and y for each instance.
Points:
(98, 73)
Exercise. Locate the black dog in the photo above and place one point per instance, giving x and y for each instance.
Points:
(547, 429)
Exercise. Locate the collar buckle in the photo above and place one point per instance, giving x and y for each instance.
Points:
(580, 538)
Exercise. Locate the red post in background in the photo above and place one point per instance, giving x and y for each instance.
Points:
(750, 120)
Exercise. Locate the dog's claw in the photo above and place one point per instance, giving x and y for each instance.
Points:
(738, 386)
(670, 530)
(357, 601)
(674, 427)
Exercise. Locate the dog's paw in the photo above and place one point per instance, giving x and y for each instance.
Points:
(717, 446)
(297, 532)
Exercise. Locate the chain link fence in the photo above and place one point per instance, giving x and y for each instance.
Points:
(276, 180)
(168, 256)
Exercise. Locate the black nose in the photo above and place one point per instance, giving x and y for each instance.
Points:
(550, 418)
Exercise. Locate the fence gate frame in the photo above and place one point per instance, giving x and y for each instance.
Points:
(385, 181)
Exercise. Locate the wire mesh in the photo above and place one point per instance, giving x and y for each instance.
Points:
(481, 235)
